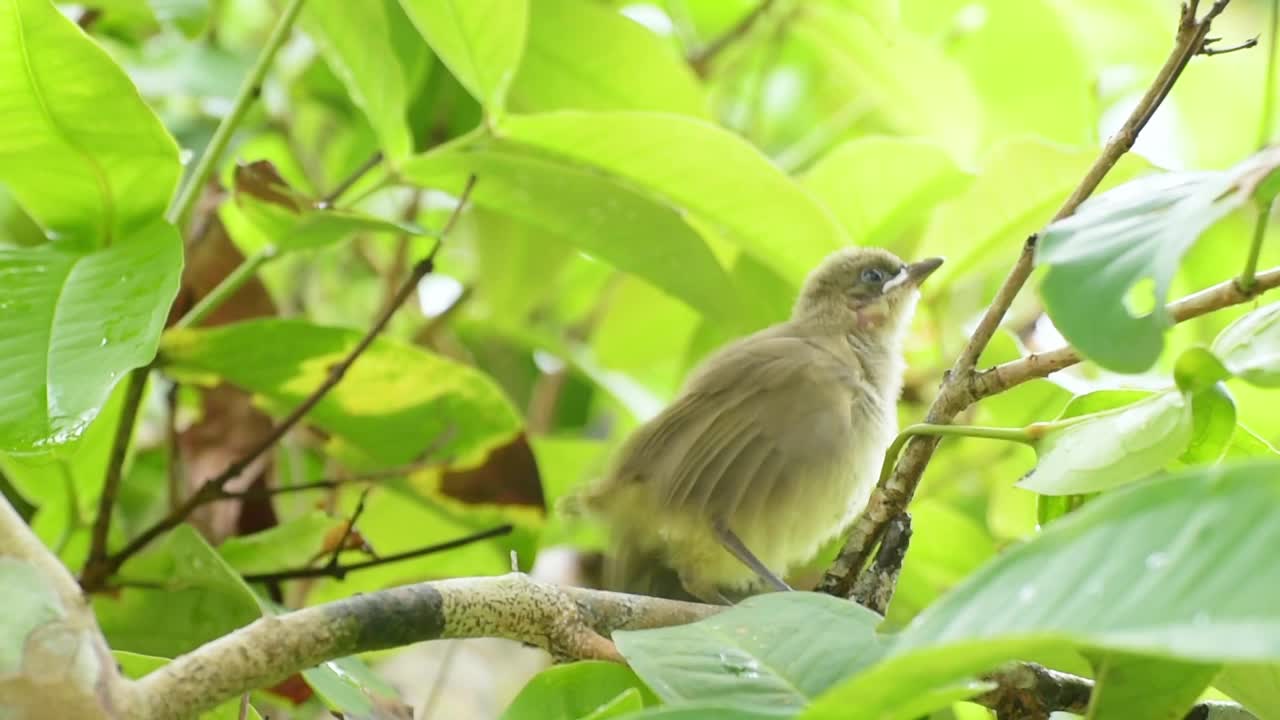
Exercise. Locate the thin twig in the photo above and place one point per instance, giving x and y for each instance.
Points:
(1009, 375)
(1267, 118)
(347, 530)
(339, 571)
(250, 89)
(96, 574)
(891, 498)
(1209, 50)
(227, 287)
(701, 60)
(345, 184)
(115, 465)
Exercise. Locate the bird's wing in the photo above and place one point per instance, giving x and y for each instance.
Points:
(761, 411)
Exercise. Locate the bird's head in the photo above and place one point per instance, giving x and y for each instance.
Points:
(866, 290)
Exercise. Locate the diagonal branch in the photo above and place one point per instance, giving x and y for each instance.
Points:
(97, 572)
(892, 497)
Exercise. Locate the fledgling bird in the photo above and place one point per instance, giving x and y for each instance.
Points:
(772, 447)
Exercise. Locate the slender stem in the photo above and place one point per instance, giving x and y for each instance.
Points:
(1247, 277)
(701, 61)
(228, 287)
(345, 185)
(180, 210)
(1022, 435)
(115, 465)
(1267, 120)
(213, 487)
(339, 571)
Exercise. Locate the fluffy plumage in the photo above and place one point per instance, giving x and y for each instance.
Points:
(777, 437)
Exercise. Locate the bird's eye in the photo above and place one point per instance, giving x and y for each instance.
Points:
(873, 275)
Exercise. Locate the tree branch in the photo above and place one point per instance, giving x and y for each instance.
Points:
(338, 571)
(1015, 372)
(568, 622)
(115, 463)
(1027, 691)
(96, 573)
(892, 497)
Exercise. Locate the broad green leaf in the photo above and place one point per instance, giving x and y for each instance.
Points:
(701, 169)
(380, 76)
(1250, 346)
(878, 187)
(72, 324)
(599, 215)
(310, 227)
(1255, 686)
(630, 68)
(74, 172)
(1138, 570)
(1109, 448)
(1015, 94)
(481, 41)
(1100, 400)
(1118, 242)
(912, 86)
(392, 405)
(191, 597)
(1021, 184)
(702, 711)
(135, 666)
(1131, 687)
(628, 701)
(517, 263)
(769, 653)
(574, 691)
(291, 544)
(1198, 369)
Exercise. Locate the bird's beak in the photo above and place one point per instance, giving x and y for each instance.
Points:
(918, 271)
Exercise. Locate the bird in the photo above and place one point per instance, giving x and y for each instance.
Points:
(772, 446)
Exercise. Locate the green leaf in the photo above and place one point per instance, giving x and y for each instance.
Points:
(291, 544)
(72, 324)
(379, 76)
(1255, 686)
(879, 186)
(1014, 101)
(392, 405)
(1118, 242)
(597, 214)
(573, 691)
(196, 598)
(1140, 570)
(1021, 183)
(628, 701)
(1213, 424)
(702, 711)
(630, 68)
(1198, 369)
(134, 666)
(481, 41)
(946, 545)
(908, 81)
(1250, 346)
(703, 170)
(1131, 687)
(1109, 448)
(75, 173)
(771, 652)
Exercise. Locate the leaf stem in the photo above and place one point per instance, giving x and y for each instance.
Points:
(1267, 119)
(1248, 278)
(228, 287)
(1021, 435)
(180, 211)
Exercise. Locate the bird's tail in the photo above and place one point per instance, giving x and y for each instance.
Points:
(633, 569)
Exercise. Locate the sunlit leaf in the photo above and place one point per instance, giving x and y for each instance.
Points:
(393, 404)
(481, 41)
(577, 691)
(74, 172)
(1255, 686)
(1131, 687)
(630, 67)
(289, 545)
(879, 186)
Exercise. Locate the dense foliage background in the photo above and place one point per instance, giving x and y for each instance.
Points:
(651, 180)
